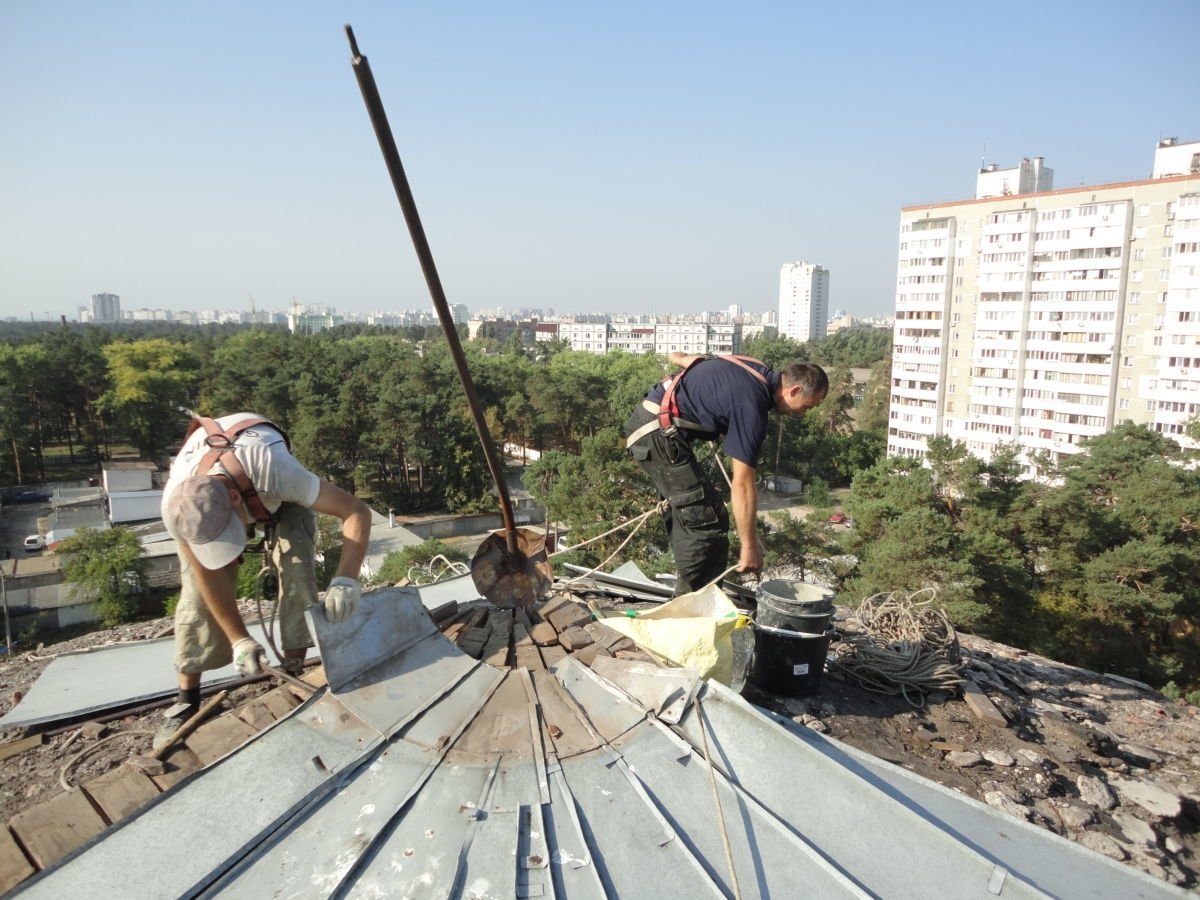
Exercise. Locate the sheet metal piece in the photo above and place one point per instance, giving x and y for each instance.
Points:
(770, 860)
(235, 803)
(1054, 864)
(535, 737)
(320, 849)
(823, 801)
(571, 866)
(634, 583)
(385, 624)
(605, 706)
(666, 692)
(568, 732)
(105, 678)
(417, 855)
(634, 852)
(396, 691)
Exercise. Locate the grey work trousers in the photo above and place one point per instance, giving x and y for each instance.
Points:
(201, 645)
(696, 519)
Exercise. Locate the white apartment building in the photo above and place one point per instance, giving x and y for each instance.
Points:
(644, 337)
(803, 301)
(589, 336)
(631, 337)
(1045, 318)
(681, 337)
(309, 319)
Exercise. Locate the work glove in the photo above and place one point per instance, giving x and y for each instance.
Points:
(249, 657)
(341, 598)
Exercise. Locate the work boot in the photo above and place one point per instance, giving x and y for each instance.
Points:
(173, 718)
(292, 666)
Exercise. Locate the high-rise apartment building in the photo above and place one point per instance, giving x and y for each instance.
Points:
(803, 301)
(1041, 319)
(106, 308)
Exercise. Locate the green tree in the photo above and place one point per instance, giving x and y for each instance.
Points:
(151, 390)
(106, 566)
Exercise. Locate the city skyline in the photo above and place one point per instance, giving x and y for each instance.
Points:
(665, 159)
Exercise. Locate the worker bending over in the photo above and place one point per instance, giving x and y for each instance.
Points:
(232, 473)
(712, 396)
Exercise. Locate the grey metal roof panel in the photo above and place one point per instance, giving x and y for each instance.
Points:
(78, 684)
(831, 784)
(1051, 863)
(234, 805)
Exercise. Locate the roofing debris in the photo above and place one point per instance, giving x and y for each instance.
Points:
(421, 770)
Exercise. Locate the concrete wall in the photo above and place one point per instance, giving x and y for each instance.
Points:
(127, 480)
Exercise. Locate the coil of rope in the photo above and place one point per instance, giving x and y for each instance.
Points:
(908, 648)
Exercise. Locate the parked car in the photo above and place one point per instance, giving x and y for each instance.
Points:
(34, 542)
(31, 497)
(839, 519)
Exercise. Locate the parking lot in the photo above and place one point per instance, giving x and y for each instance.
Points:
(17, 522)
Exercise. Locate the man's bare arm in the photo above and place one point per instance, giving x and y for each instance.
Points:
(356, 525)
(218, 589)
(744, 500)
(683, 360)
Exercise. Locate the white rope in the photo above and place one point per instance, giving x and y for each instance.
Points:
(909, 648)
(641, 520)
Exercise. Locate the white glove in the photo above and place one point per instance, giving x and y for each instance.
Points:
(249, 657)
(341, 598)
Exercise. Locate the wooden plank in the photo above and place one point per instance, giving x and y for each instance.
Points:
(455, 630)
(521, 635)
(495, 651)
(982, 708)
(569, 615)
(279, 702)
(12, 748)
(552, 654)
(520, 617)
(529, 658)
(575, 638)
(120, 792)
(256, 714)
(315, 677)
(543, 634)
(180, 762)
(604, 635)
(588, 654)
(473, 640)
(215, 738)
(53, 829)
(551, 605)
(15, 866)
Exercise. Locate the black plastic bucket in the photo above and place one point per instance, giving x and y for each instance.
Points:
(794, 606)
(788, 662)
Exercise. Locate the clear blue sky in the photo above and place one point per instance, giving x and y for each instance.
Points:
(618, 156)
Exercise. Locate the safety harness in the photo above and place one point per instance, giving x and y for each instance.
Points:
(666, 412)
(220, 445)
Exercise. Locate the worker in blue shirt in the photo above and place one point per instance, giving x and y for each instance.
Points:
(714, 396)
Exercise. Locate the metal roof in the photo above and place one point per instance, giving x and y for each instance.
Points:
(423, 772)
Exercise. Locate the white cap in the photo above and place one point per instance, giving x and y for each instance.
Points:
(200, 512)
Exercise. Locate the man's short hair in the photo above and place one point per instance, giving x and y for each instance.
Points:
(809, 376)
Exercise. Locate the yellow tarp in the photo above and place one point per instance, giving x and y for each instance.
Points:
(694, 631)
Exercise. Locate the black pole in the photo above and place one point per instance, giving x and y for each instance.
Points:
(391, 156)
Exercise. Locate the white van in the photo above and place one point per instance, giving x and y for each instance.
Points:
(34, 542)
